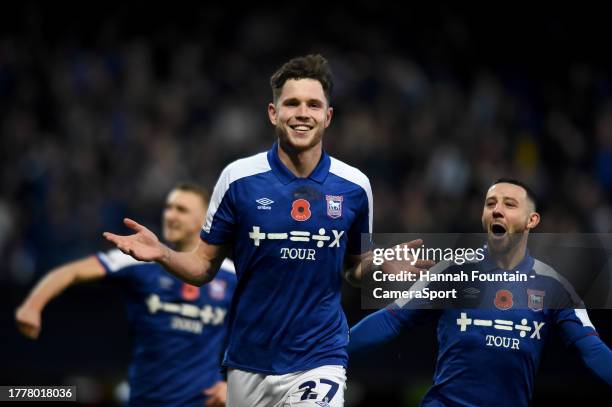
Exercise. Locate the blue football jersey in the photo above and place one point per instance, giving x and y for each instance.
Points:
(178, 331)
(289, 237)
(489, 355)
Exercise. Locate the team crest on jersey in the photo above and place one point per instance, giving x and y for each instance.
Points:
(216, 289)
(190, 292)
(535, 299)
(300, 210)
(503, 300)
(334, 206)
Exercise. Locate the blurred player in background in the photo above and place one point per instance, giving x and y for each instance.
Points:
(293, 217)
(489, 356)
(178, 330)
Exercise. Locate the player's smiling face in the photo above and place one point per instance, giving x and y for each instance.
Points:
(183, 216)
(507, 215)
(301, 114)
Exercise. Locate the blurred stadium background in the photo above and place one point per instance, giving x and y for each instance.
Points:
(104, 107)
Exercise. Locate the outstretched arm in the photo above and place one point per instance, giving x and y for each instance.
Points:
(577, 329)
(375, 329)
(197, 267)
(385, 324)
(28, 315)
(597, 356)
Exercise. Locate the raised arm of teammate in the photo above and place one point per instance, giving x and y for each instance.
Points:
(28, 314)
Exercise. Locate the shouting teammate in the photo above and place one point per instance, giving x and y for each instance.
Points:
(489, 356)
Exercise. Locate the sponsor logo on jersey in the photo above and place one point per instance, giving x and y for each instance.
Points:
(257, 235)
(264, 204)
(524, 329)
(535, 299)
(465, 322)
(300, 210)
(207, 314)
(334, 206)
(503, 300)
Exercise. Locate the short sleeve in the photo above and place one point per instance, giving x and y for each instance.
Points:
(362, 225)
(573, 324)
(221, 218)
(116, 263)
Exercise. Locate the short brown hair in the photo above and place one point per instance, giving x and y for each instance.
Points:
(196, 188)
(313, 66)
(531, 196)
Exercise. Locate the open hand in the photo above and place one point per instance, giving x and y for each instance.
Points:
(407, 263)
(142, 245)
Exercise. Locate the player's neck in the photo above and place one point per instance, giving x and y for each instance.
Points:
(508, 261)
(300, 163)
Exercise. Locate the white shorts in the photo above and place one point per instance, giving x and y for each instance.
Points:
(320, 387)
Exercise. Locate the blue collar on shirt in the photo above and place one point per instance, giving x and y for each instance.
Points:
(524, 266)
(285, 176)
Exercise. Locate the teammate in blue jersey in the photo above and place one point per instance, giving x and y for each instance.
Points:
(293, 218)
(489, 355)
(178, 330)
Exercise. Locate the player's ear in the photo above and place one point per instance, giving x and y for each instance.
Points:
(328, 116)
(534, 220)
(272, 113)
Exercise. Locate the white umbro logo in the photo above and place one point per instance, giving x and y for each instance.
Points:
(264, 203)
(471, 292)
(165, 282)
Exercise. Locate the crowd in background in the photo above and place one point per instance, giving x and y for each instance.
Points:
(98, 128)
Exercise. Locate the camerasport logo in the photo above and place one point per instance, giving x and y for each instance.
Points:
(300, 210)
